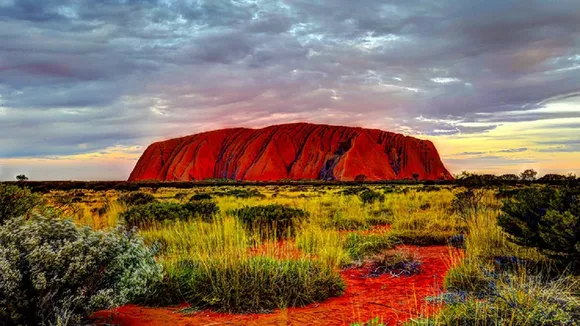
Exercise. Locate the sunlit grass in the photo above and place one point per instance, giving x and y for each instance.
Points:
(326, 245)
(106, 221)
(221, 265)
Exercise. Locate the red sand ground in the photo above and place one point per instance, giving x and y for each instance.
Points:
(392, 299)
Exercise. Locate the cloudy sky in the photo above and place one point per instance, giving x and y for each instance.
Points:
(86, 85)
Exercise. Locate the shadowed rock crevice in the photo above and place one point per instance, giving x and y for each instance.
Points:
(327, 172)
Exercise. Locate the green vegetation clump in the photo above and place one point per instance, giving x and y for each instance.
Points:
(214, 265)
(360, 246)
(343, 222)
(511, 299)
(147, 215)
(254, 284)
(205, 209)
(54, 272)
(201, 196)
(415, 223)
(180, 195)
(389, 190)
(397, 263)
(381, 217)
(547, 219)
(369, 197)
(353, 191)
(427, 188)
(508, 192)
(467, 203)
(137, 198)
(16, 201)
(467, 277)
(241, 193)
(325, 244)
(402, 190)
(271, 220)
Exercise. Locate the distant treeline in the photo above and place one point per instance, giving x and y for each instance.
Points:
(45, 186)
(464, 179)
(526, 177)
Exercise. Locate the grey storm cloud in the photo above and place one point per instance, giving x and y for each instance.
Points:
(83, 75)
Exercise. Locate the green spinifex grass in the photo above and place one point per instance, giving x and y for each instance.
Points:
(359, 246)
(276, 220)
(210, 265)
(424, 218)
(326, 245)
(252, 284)
(143, 216)
(513, 299)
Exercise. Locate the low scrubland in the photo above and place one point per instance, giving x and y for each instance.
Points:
(254, 249)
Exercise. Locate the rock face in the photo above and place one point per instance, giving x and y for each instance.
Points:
(291, 151)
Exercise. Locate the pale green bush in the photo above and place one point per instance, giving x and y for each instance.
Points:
(52, 270)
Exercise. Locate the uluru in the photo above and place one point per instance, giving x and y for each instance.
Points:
(295, 151)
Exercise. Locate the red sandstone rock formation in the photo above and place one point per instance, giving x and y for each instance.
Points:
(291, 151)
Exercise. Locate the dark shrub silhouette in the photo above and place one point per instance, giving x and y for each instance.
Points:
(278, 220)
(548, 219)
(137, 198)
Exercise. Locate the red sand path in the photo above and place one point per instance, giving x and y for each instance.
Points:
(392, 299)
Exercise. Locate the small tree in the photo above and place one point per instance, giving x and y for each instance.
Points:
(528, 175)
(21, 177)
(547, 219)
(415, 176)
